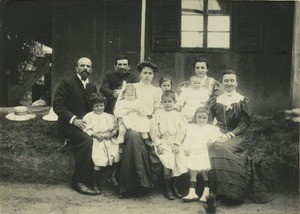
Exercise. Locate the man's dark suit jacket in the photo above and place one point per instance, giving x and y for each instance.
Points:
(71, 99)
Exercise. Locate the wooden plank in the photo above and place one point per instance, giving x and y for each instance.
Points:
(247, 26)
(295, 77)
(165, 25)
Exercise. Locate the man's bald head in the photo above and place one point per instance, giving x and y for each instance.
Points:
(84, 60)
(84, 67)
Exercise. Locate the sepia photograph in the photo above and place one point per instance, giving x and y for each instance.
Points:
(149, 106)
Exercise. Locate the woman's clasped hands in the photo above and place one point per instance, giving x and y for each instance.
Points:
(221, 139)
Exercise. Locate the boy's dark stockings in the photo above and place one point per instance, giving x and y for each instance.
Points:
(193, 184)
(168, 183)
(175, 190)
(97, 181)
(169, 193)
(114, 175)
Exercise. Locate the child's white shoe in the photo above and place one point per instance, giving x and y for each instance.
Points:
(204, 195)
(192, 196)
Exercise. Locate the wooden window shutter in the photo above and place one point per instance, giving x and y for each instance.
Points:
(166, 25)
(247, 26)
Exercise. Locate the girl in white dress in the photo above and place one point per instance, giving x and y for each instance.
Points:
(192, 97)
(167, 132)
(199, 135)
(130, 114)
(102, 127)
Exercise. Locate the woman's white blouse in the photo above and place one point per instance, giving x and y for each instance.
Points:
(149, 96)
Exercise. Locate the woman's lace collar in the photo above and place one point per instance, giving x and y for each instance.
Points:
(229, 98)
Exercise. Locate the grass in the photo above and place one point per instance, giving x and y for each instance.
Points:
(31, 151)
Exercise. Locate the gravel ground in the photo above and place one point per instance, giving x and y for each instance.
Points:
(61, 199)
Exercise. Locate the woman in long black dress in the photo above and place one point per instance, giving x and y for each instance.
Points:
(135, 171)
(233, 175)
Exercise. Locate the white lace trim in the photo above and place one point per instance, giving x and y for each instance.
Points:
(229, 98)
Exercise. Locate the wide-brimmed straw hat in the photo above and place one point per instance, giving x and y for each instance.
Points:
(20, 113)
(51, 116)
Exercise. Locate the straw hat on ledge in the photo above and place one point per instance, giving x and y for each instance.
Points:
(20, 113)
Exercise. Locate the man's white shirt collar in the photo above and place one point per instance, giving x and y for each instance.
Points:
(83, 82)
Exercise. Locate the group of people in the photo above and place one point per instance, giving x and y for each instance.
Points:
(132, 124)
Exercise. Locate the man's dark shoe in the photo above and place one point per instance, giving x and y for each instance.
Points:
(83, 189)
(176, 193)
(169, 195)
(97, 183)
(123, 195)
(97, 190)
(113, 181)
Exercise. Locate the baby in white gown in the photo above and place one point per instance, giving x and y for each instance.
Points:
(130, 114)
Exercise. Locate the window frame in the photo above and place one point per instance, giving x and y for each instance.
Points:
(205, 32)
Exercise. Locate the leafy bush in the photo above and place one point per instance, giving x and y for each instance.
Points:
(274, 148)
